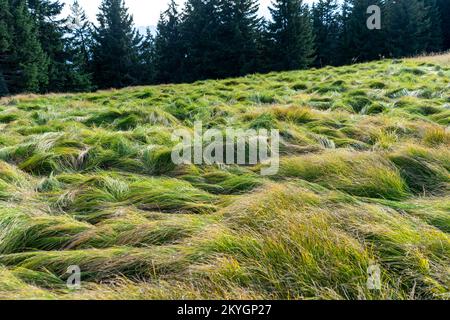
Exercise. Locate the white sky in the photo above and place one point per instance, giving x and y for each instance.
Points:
(146, 12)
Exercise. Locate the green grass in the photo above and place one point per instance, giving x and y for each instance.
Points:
(87, 179)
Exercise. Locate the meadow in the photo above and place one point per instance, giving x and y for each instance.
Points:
(86, 179)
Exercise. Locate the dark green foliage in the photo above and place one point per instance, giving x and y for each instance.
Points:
(5, 41)
(412, 26)
(325, 15)
(240, 26)
(51, 31)
(23, 62)
(444, 9)
(40, 51)
(200, 29)
(169, 50)
(5, 35)
(433, 35)
(211, 39)
(3, 87)
(147, 59)
(290, 39)
(359, 43)
(78, 47)
(116, 47)
(402, 20)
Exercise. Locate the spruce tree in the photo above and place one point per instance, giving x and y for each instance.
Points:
(169, 48)
(3, 86)
(23, 63)
(116, 47)
(200, 30)
(326, 31)
(290, 39)
(52, 30)
(148, 59)
(78, 43)
(444, 10)
(5, 42)
(263, 43)
(5, 16)
(358, 42)
(238, 32)
(407, 25)
(432, 31)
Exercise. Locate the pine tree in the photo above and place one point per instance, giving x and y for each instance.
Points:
(290, 36)
(5, 42)
(23, 63)
(218, 39)
(358, 42)
(200, 29)
(263, 43)
(3, 86)
(52, 30)
(432, 31)
(238, 31)
(398, 40)
(116, 47)
(169, 48)
(147, 59)
(326, 31)
(407, 27)
(444, 9)
(5, 16)
(78, 43)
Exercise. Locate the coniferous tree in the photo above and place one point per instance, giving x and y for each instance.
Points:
(263, 42)
(116, 47)
(326, 31)
(290, 39)
(5, 42)
(432, 31)
(51, 31)
(23, 63)
(39, 51)
(200, 29)
(238, 32)
(407, 27)
(3, 87)
(5, 16)
(78, 45)
(358, 42)
(147, 59)
(444, 9)
(169, 48)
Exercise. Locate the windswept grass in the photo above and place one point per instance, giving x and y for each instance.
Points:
(22, 231)
(87, 179)
(365, 175)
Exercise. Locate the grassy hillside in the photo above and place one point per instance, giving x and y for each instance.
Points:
(86, 179)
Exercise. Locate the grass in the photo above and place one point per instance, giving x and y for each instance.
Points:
(360, 175)
(87, 179)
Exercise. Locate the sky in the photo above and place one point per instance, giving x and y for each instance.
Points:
(145, 12)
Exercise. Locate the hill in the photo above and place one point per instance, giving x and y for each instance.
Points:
(86, 180)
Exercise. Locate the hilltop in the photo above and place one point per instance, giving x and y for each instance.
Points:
(86, 179)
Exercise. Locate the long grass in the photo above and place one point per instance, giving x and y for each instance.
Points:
(87, 179)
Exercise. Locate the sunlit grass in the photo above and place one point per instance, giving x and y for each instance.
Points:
(87, 179)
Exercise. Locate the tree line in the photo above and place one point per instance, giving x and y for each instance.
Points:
(42, 52)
